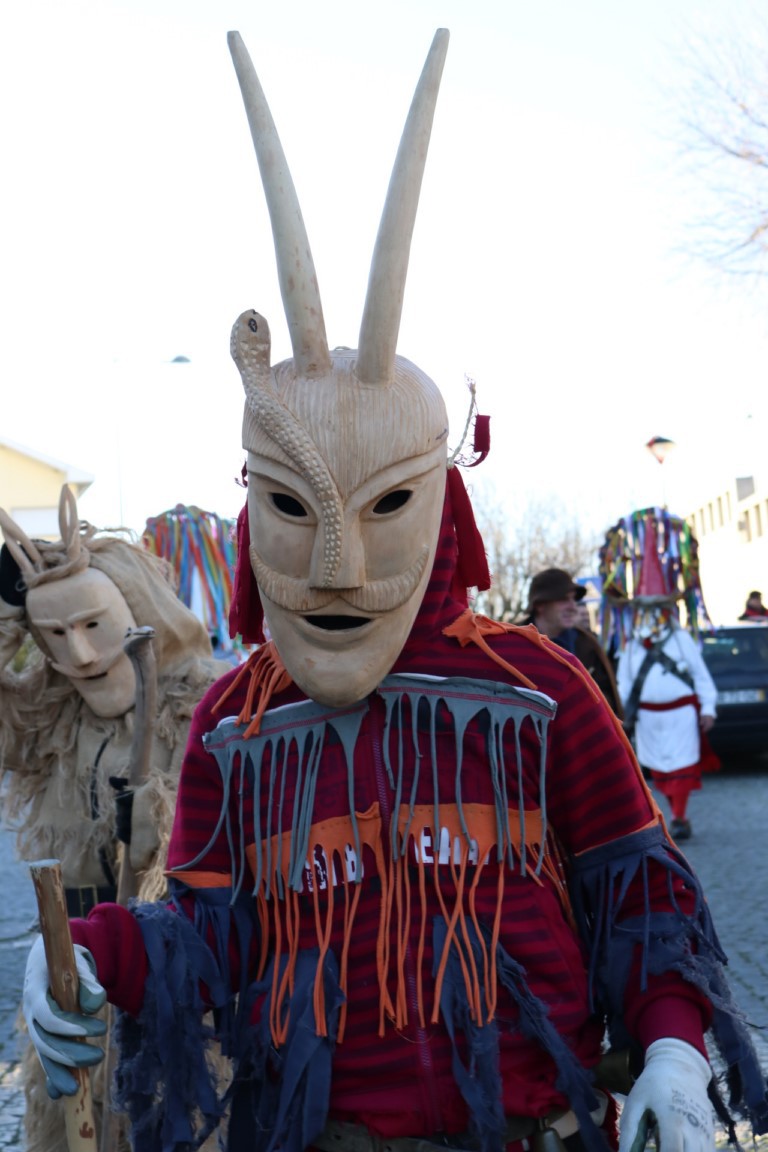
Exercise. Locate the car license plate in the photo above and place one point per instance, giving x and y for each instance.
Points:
(741, 696)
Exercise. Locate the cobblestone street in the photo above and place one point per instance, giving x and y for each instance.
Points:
(727, 850)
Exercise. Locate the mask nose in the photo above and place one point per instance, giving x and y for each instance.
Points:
(81, 650)
(351, 570)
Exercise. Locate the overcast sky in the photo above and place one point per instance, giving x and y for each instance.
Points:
(545, 264)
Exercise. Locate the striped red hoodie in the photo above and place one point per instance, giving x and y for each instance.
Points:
(421, 913)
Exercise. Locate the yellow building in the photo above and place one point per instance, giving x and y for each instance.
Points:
(30, 486)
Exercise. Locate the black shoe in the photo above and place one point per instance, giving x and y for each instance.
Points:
(681, 829)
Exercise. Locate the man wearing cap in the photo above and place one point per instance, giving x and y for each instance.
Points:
(553, 601)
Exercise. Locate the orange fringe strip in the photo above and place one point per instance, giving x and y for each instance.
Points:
(268, 675)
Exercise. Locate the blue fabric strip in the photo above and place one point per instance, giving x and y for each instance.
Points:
(163, 1080)
(674, 941)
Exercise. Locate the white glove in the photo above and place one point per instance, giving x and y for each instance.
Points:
(52, 1031)
(671, 1095)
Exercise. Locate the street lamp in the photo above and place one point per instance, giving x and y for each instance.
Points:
(660, 447)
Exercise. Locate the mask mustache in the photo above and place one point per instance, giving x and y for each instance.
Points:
(98, 668)
(296, 595)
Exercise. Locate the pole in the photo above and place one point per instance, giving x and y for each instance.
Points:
(62, 973)
(139, 649)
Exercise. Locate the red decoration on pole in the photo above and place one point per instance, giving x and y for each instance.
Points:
(652, 583)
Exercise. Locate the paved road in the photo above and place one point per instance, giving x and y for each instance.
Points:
(728, 851)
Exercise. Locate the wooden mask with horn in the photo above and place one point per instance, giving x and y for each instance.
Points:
(346, 448)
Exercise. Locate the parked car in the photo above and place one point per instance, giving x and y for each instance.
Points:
(737, 658)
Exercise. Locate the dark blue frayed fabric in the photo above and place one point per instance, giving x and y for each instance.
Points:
(163, 1080)
(280, 1097)
(572, 1079)
(479, 1080)
(674, 941)
(217, 918)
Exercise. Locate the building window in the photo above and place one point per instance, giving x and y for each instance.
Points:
(720, 520)
(747, 526)
(758, 520)
(703, 522)
(711, 516)
(729, 511)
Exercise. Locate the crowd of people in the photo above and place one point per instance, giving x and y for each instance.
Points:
(416, 890)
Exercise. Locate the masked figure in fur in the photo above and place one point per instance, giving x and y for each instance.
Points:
(414, 864)
(66, 718)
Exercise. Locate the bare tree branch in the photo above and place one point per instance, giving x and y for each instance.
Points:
(723, 148)
(541, 535)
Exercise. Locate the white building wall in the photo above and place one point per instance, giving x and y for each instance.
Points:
(731, 526)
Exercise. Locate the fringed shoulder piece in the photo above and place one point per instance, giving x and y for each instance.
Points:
(472, 628)
(682, 940)
(288, 848)
(268, 675)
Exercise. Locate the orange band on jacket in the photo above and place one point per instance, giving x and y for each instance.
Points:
(201, 879)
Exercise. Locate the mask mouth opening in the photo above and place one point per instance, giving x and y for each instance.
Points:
(338, 623)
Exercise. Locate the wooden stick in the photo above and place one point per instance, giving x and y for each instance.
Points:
(140, 650)
(62, 973)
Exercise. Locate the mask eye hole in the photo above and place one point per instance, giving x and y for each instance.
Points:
(288, 505)
(392, 501)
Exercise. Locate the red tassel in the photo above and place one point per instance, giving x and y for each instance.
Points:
(246, 615)
(472, 563)
(482, 441)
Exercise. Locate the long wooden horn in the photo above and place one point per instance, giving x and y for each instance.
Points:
(23, 550)
(386, 284)
(295, 266)
(69, 524)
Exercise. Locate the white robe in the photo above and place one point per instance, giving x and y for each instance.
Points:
(669, 740)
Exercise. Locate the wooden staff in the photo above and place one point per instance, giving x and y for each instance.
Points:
(138, 647)
(64, 982)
